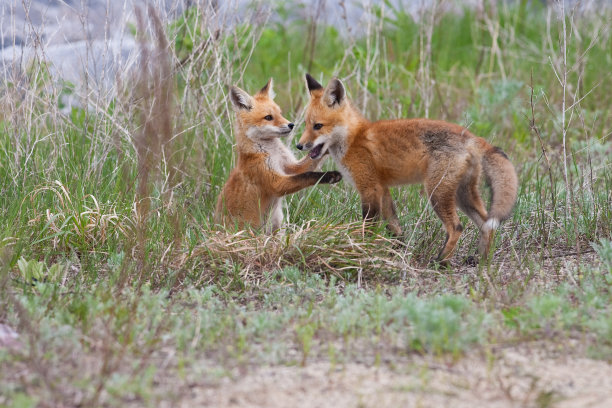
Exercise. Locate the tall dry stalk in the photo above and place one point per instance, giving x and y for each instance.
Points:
(154, 140)
(425, 82)
(563, 110)
(311, 40)
(493, 26)
(561, 71)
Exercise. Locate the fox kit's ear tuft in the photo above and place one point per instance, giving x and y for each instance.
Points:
(268, 89)
(312, 83)
(334, 93)
(240, 99)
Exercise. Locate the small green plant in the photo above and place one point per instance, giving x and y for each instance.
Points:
(35, 271)
(604, 250)
(444, 324)
(305, 334)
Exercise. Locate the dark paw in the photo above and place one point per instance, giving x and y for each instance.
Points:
(471, 261)
(331, 177)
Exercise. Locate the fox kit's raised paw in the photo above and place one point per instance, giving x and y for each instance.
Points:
(331, 177)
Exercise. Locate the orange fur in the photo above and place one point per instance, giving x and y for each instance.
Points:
(266, 170)
(447, 158)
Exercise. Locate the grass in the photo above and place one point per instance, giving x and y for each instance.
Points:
(120, 287)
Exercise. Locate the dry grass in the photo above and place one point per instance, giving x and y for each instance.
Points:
(348, 251)
(72, 224)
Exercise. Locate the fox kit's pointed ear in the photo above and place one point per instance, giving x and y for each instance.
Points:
(312, 83)
(240, 99)
(268, 89)
(334, 93)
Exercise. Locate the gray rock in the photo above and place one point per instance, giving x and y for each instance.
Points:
(85, 43)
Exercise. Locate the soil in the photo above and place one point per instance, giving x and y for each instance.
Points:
(525, 376)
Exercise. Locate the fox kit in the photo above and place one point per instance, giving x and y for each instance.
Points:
(266, 170)
(445, 157)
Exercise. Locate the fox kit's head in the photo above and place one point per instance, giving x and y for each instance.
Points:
(327, 119)
(258, 115)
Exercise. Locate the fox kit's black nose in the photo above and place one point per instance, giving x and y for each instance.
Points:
(299, 146)
(291, 125)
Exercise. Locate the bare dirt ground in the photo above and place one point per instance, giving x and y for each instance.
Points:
(525, 376)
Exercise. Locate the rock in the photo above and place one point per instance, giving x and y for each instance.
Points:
(84, 43)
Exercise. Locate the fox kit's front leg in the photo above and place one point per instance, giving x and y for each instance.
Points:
(283, 185)
(376, 203)
(371, 202)
(389, 213)
(303, 165)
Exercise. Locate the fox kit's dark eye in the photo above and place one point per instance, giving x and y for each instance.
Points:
(317, 126)
(269, 117)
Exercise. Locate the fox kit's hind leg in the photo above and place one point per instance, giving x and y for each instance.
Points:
(445, 209)
(487, 234)
(442, 197)
(275, 220)
(470, 202)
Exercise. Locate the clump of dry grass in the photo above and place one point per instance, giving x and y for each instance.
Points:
(345, 250)
(76, 222)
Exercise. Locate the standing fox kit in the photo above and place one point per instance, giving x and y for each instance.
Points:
(445, 157)
(266, 170)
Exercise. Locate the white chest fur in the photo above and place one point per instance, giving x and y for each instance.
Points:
(337, 152)
(278, 154)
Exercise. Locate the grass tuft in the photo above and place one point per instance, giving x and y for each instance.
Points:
(348, 251)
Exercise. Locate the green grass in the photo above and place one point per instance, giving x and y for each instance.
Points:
(117, 295)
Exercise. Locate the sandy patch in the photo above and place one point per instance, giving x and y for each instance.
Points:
(514, 377)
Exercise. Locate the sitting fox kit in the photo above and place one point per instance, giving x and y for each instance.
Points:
(445, 157)
(266, 170)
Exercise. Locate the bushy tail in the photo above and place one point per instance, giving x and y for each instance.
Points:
(501, 177)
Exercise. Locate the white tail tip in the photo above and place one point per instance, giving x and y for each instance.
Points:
(491, 224)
